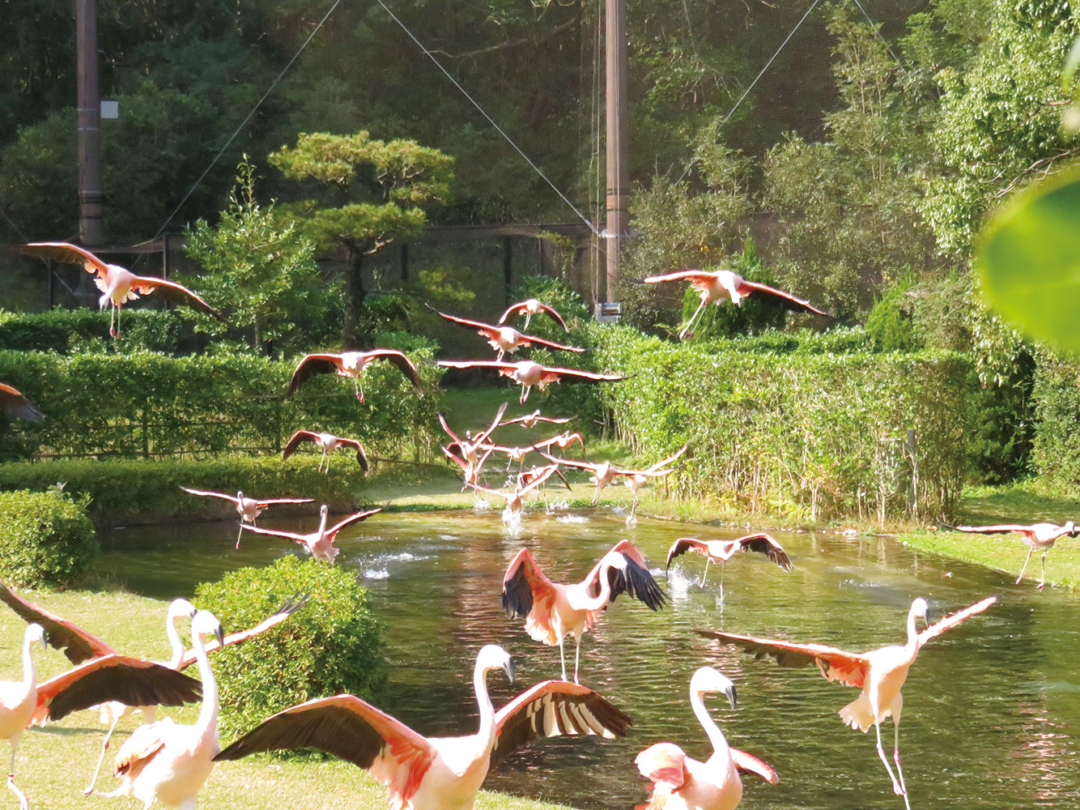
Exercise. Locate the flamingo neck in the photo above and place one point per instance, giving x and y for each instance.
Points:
(605, 587)
(912, 645)
(486, 732)
(175, 644)
(712, 731)
(208, 715)
(29, 671)
(322, 525)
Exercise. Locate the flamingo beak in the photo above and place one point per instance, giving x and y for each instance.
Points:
(730, 692)
(509, 668)
(219, 634)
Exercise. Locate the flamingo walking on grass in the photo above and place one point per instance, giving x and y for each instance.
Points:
(880, 673)
(248, 508)
(724, 550)
(553, 611)
(1036, 535)
(435, 773)
(17, 700)
(352, 364)
(320, 543)
(683, 783)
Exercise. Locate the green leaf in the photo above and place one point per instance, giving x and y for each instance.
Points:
(1028, 260)
(1071, 64)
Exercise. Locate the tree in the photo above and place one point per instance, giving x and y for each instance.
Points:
(373, 193)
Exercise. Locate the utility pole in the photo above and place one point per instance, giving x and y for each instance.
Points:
(91, 230)
(618, 178)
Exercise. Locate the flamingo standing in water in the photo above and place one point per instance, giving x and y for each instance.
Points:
(529, 374)
(352, 364)
(530, 307)
(505, 339)
(724, 550)
(553, 611)
(168, 762)
(1037, 535)
(879, 673)
(728, 285)
(14, 403)
(17, 699)
(329, 443)
(320, 543)
(249, 508)
(435, 773)
(118, 285)
(682, 783)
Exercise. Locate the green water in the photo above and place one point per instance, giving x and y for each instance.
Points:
(991, 713)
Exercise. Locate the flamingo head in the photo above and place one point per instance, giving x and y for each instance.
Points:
(708, 679)
(1070, 527)
(920, 608)
(492, 656)
(205, 624)
(181, 607)
(36, 633)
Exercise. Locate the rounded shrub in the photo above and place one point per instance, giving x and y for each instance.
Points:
(330, 645)
(45, 538)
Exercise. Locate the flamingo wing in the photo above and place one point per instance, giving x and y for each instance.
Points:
(637, 582)
(355, 517)
(349, 728)
(569, 462)
(835, 664)
(291, 605)
(552, 708)
(14, 403)
(262, 504)
(665, 763)
(310, 366)
(483, 436)
(66, 253)
(552, 373)
(209, 494)
(780, 298)
(295, 441)
(449, 432)
(455, 458)
(507, 368)
(77, 644)
(683, 545)
(951, 621)
(693, 275)
(524, 584)
(1001, 528)
(765, 544)
(361, 456)
(661, 464)
(551, 344)
(532, 479)
(296, 538)
(748, 763)
(141, 746)
(400, 360)
(174, 293)
(131, 681)
(485, 329)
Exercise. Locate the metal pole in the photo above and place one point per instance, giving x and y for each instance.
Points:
(618, 179)
(91, 230)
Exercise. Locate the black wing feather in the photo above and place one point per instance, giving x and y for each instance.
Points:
(155, 685)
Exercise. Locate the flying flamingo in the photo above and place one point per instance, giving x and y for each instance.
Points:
(469, 448)
(530, 420)
(17, 704)
(682, 783)
(515, 498)
(168, 762)
(504, 339)
(530, 374)
(352, 364)
(1037, 535)
(604, 473)
(249, 508)
(13, 403)
(724, 550)
(727, 284)
(879, 673)
(320, 543)
(530, 307)
(118, 285)
(518, 454)
(435, 773)
(470, 471)
(329, 443)
(553, 611)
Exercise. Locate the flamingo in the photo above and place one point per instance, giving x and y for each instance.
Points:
(118, 285)
(13, 403)
(563, 440)
(530, 307)
(515, 498)
(552, 610)
(530, 420)
(329, 443)
(470, 471)
(320, 543)
(879, 673)
(249, 508)
(682, 783)
(530, 374)
(727, 284)
(724, 550)
(504, 339)
(352, 364)
(168, 762)
(1037, 535)
(604, 473)
(17, 704)
(435, 773)
(469, 448)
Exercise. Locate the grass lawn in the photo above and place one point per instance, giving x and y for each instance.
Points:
(54, 764)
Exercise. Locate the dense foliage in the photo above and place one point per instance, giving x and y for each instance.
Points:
(66, 331)
(329, 646)
(46, 539)
(1056, 452)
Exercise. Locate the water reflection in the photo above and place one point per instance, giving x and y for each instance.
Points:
(991, 709)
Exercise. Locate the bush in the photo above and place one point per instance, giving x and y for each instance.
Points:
(46, 539)
(68, 331)
(1055, 455)
(330, 645)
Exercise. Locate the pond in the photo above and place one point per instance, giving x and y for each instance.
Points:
(991, 713)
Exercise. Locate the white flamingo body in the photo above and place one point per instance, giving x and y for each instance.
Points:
(320, 543)
(530, 307)
(328, 442)
(1037, 536)
(17, 703)
(529, 374)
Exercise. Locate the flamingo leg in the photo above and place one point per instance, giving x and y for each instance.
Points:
(239, 534)
(723, 568)
(577, 658)
(897, 788)
(23, 803)
(707, 561)
(1024, 567)
(528, 317)
(562, 656)
(104, 747)
(1042, 576)
(701, 306)
(896, 759)
(525, 394)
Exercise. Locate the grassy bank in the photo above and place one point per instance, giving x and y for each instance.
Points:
(54, 764)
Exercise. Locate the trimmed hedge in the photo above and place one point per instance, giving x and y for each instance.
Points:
(812, 435)
(45, 538)
(68, 331)
(143, 404)
(330, 645)
(1055, 455)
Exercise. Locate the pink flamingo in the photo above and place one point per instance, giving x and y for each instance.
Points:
(529, 374)
(329, 443)
(248, 508)
(683, 783)
(320, 543)
(505, 339)
(352, 364)
(724, 550)
(530, 307)
(530, 420)
(527, 482)
(880, 673)
(1037, 535)
(553, 611)
(605, 472)
(435, 773)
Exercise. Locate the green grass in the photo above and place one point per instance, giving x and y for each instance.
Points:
(54, 764)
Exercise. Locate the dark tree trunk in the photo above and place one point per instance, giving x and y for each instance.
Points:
(354, 302)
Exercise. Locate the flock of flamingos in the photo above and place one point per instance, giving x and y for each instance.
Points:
(166, 762)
